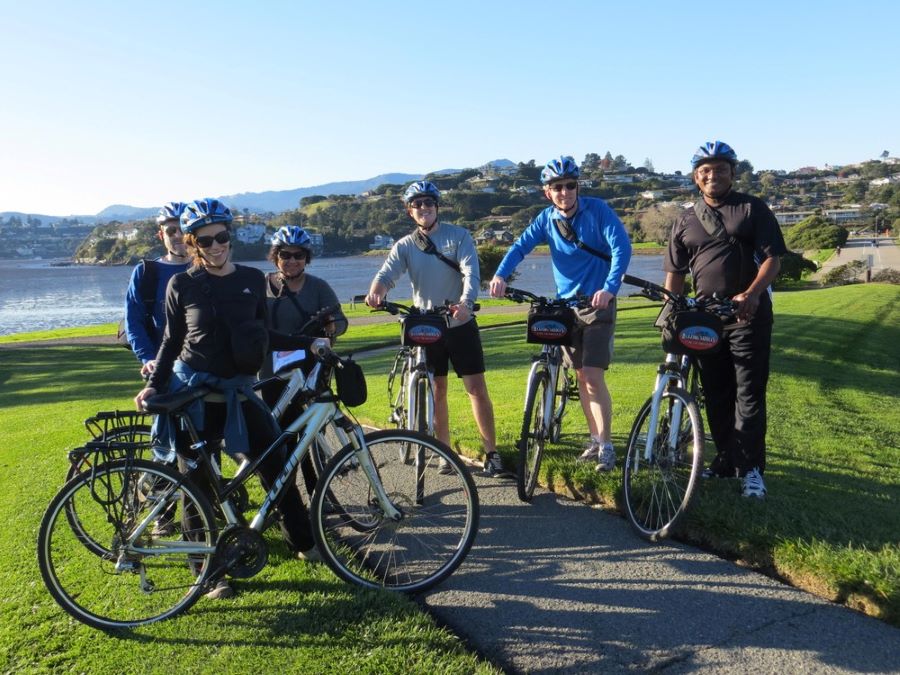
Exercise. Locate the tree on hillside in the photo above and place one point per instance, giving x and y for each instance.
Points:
(656, 222)
(529, 171)
(648, 164)
(591, 162)
(814, 232)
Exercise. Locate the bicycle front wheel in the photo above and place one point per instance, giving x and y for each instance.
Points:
(534, 435)
(138, 578)
(659, 481)
(431, 536)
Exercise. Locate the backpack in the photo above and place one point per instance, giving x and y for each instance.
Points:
(148, 299)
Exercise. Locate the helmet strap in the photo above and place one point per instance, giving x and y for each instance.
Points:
(290, 277)
(208, 263)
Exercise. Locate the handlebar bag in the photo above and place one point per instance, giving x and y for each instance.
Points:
(421, 330)
(351, 383)
(692, 332)
(550, 325)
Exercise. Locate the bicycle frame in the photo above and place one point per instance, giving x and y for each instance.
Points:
(671, 373)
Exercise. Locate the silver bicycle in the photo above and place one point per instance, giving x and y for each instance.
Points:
(664, 455)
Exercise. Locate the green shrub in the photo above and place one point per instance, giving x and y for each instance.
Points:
(844, 274)
(887, 276)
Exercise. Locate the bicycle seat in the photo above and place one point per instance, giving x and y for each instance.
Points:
(164, 404)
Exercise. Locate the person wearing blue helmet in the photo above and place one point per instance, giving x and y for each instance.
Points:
(216, 335)
(731, 243)
(589, 252)
(145, 316)
(442, 263)
(293, 297)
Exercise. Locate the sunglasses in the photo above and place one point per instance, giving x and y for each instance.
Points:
(207, 240)
(172, 230)
(423, 204)
(296, 255)
(558, 187)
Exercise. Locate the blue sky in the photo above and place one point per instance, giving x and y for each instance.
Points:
(141, 103)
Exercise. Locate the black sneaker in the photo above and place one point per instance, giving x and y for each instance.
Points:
(493, 467)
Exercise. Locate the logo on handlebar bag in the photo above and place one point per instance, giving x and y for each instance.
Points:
(423, 334)
(548, 330)
(699, 338)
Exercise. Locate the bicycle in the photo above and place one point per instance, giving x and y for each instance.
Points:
(664, 453)
(550, 384)
(411, 378)
(377, 522)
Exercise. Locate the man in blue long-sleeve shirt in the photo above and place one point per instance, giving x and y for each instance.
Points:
(590, 251)
(144, 327)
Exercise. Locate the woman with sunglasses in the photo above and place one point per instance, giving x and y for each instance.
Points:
(294, 295)
(216, 335)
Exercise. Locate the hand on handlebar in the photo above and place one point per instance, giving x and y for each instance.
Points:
(460, 312)
(601, 299)
(498, 287)
(143, 395)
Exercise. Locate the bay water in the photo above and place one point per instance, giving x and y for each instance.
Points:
(37, 295)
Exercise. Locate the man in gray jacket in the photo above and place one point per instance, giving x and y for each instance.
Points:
(442, 264)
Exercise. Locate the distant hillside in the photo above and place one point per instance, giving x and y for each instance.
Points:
(277, 201)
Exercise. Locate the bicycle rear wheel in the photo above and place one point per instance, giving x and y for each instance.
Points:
(658, 490)
(139, 578)
(438, 514)
(534, 434)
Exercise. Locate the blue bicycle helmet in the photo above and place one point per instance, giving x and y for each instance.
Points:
(422, 188)
(291, 235)
(171, 211)
(204, 212)
(712, 151)
(561, 167)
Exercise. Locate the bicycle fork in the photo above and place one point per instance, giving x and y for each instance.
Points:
(665, 378)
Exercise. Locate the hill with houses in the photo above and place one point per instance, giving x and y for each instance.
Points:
(495, 201)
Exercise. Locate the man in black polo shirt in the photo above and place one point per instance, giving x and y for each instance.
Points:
(731, 244)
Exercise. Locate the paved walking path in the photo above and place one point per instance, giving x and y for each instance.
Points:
(557, 586)
(886, 254)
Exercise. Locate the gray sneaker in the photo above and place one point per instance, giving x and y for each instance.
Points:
(590, 452)
(606, 458)
(444, 467)
(221, 590)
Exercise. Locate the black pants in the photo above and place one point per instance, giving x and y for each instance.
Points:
(271, 392)
(262, 432)
(734, 383)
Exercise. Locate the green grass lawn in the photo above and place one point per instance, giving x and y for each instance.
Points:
(830, 523)
(292, 617)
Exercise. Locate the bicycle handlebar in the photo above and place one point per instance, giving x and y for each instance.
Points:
(520, 295)
(438, 310)
(725, 307)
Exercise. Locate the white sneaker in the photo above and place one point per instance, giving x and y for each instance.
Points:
(606, 458)
(753, 484)
(590, 452)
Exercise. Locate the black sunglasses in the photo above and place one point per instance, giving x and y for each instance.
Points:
(558, 187)
(172, 229)
(207, 240)
(296, 255)
(423, 204)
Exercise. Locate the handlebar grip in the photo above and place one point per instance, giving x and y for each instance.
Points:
(359, 298)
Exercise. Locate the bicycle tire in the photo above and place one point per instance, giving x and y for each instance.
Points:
(423, 397)
(534, 434)
(562, 396)
(124, 588)
(657, 493)
(436, 529)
